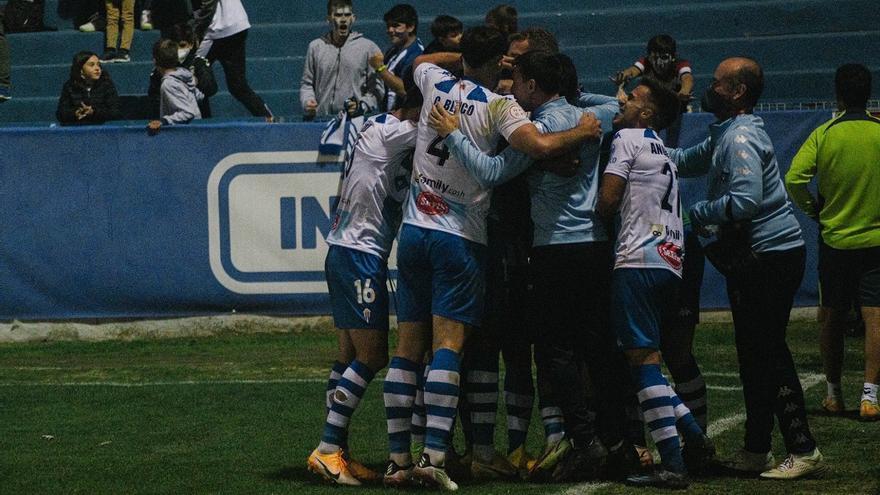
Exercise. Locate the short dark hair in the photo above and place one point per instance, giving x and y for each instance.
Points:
(444, 25)
(539, 39)
(852, 83)
(751, 75)
(662, 43)
(403, 13)
(481, 45)
(503, 18)
(413, 98)
(183, 31)
(664, 101)
(549, 70)
(337, 4)
(165, 54)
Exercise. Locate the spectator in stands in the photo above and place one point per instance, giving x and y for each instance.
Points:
(401, 23)
(337, 68)
(447, 31)
(199, 67)
(147, 15)
(178, 95)
(89, 96)
(503, 18)
(532, 39)
(118, 10)
(662, 63)
(5, 80)
(843, 155)
(223, 32)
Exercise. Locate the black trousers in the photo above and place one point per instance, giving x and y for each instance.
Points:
(230, 52)
(761, 298)
(571, 288)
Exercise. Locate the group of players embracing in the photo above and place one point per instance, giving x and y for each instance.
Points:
(544, 223)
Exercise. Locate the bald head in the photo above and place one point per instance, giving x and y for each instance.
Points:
(744, 77)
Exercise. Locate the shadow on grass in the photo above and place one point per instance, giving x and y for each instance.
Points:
(850, 415)
(290, 473)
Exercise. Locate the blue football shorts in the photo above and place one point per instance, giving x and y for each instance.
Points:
(439, 274)
(642, 300)
(358, 289)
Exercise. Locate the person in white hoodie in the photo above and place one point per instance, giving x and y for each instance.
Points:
(337, 73)
(178, 95)
(222, 25)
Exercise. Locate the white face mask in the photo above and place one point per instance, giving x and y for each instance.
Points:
(182, 53)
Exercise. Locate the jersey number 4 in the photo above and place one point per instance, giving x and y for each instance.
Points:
(441, 152)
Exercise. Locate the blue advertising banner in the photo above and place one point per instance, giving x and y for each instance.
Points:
(203, 219)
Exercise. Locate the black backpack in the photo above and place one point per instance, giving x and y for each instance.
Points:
(24, 16)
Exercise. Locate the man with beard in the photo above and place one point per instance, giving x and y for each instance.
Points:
(337, 74)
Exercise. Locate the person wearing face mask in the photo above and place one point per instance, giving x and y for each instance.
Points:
(393, 67)
(89, 96)
(760, 251)
(663, 65)
(337, 68)
(201, 69)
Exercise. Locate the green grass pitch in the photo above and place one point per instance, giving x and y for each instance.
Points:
(238, 413)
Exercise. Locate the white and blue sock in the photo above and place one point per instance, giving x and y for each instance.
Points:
(441, 403)
(335, 374)
(349, 391)
(399, 393)
(419, 416)
(690, 386)
(554, 426)
(482, 396)
(659, 413)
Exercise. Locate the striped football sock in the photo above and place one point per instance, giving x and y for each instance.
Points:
(554, 428)
(419, 417)
(659, 415)
(335, 374)
(482, 396)
(685, 422)
(348, 394)
(691, 388)
(399, 393)
(519, 395)
(441, 401)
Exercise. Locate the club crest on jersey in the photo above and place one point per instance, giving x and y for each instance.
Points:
(367, 314)
(671, 254)
(431, 204)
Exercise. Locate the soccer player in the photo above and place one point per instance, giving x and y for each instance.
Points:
(570, 246)
(640, 182)
(843, 155)
(442, 244)
(374, 185)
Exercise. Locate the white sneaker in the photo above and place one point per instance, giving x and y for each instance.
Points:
(433, 476)
(750, 462)
(146, 20)
(797, 466)
(88, 27)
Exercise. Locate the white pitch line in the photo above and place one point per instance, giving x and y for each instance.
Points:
(715, 428)
(163, 384)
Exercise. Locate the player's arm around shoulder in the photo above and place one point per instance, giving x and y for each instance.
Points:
(527, 139)
(624, 150)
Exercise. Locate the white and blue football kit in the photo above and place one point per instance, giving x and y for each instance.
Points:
(374, 185)
(442, 243)
(648, 262)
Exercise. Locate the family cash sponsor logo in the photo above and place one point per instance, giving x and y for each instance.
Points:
(671, 254)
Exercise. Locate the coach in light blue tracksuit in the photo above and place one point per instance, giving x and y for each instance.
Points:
(765, 255)
(570, 261)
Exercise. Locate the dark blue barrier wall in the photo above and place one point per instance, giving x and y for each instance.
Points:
(203, 219)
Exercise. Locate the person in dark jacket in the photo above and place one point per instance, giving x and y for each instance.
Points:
(89, 96)
(187, 45)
